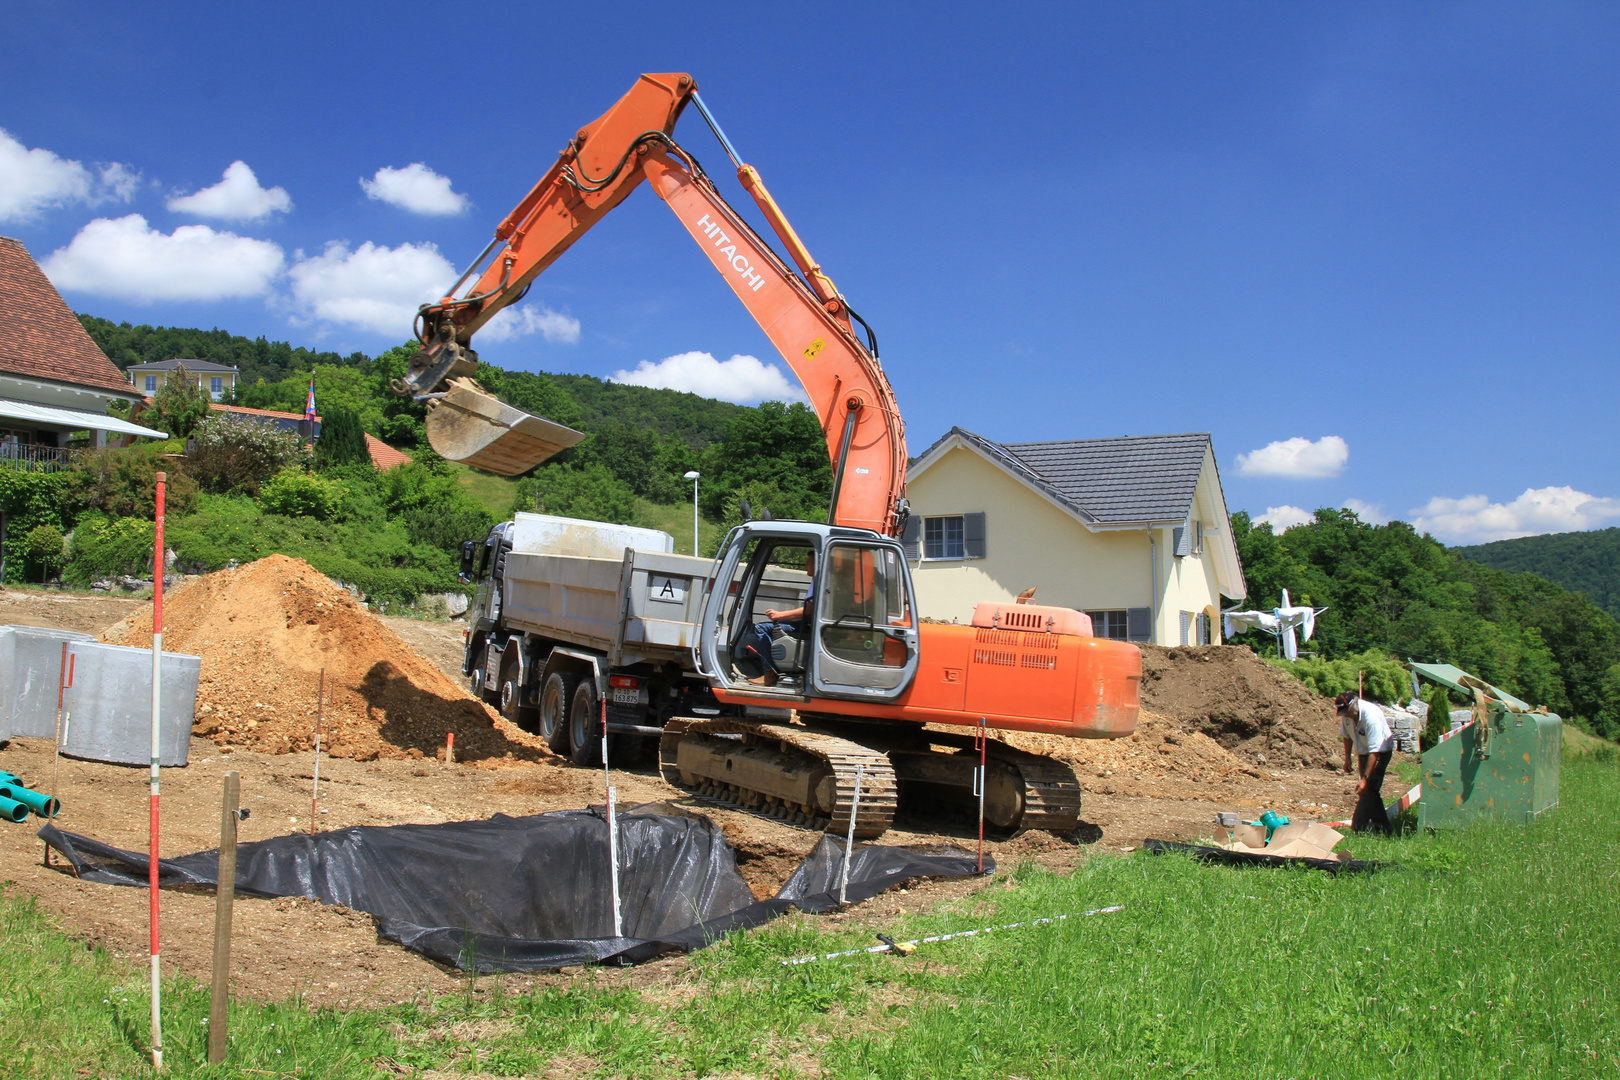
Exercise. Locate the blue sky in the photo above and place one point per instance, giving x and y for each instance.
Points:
(1374, 249)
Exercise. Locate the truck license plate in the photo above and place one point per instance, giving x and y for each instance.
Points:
(625, 697)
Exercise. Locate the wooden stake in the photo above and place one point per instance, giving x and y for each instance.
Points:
(849, 841)
(449, 748)
(224, 900)
(315, 788)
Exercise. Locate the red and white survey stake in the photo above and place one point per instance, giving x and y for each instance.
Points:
(157, 712)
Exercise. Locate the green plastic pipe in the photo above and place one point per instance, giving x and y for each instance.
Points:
(43, 805)
(12, 810)
(10, 778)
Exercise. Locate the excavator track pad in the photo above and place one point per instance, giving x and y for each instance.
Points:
(805, 775)
(795, 774)
(478, 429)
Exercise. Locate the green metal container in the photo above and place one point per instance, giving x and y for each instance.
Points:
(1510, 771)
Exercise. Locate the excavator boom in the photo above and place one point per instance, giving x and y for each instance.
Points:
(806, 318)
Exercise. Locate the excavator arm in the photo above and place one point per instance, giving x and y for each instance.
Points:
(806, 318)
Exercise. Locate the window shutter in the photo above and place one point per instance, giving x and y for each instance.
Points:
(1186, 626)
(973, 536)
(911, 538)
(1139, 624)
(1183, 541)
(1198, 543)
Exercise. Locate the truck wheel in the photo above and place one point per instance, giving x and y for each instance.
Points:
(555, 697)
(585, 726)
(475, 681)
(510, 694)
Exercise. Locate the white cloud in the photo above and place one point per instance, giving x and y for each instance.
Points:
(1474, 519)
(1297, 458)
(128, 259)
(524, 319)
(237, 197)
(372, 287)
(1282, 518)
(416, 188)
(31, 180)
(1371, 513)
(743, 379)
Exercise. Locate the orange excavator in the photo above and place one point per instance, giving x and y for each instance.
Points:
(826, 675)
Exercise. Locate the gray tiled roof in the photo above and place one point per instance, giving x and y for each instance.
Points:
(193, 366)
(1129, 480)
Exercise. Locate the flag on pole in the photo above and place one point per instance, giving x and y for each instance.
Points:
(309, 403)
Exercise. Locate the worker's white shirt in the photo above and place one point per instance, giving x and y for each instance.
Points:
(1367, 731)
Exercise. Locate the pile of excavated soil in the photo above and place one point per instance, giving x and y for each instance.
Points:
(1248, 706)
(266, 630)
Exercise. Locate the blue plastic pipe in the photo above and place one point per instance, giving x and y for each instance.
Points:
(43, 805)
(12, 810)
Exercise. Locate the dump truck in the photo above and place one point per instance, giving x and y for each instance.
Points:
(867, 681)
(568, 614)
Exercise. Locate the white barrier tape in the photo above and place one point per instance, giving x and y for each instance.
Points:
(907, 946)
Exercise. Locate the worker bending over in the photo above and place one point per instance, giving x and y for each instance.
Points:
(1363, 729)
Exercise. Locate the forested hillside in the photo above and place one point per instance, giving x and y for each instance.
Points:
(1583, 562)
(640, 440)
(1392, 591)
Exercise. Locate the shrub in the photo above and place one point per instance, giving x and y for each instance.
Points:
(1382, 678)
(123, 483)
(28, 499)
(296, 493)
(342, 441)
(104, 547)
(180, 406)
(239, 453)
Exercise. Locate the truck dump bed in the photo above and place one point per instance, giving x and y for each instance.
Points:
(642, 606)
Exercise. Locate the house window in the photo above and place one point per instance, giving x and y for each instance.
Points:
(151, 383)
(216, 385)
(1110, 624)
(942, 538)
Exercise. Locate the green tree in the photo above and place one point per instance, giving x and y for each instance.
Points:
(122, 482)
(343, 440)
(179, 406)
(1439, 721)
(591, 493)
(44, 546)
(778, 445)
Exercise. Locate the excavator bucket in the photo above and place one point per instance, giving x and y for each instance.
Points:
(477, 429)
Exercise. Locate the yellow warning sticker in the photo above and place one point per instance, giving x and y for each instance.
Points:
(814, 347)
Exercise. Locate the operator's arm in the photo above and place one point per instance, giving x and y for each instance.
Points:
(1346, 756)
(792, 615)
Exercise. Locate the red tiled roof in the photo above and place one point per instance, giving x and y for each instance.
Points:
(258, 412)
(383, 456)
(39, 337)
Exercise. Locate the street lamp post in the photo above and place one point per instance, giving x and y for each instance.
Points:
(693, 476)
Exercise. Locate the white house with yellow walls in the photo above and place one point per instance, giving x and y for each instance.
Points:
(1133, 531)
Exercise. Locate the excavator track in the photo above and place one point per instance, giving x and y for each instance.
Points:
(793, 774)
(1051, 789)
(806, 776)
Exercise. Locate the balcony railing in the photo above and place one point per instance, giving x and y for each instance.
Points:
(33, 457)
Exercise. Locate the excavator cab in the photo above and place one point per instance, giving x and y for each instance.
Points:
(850, 628)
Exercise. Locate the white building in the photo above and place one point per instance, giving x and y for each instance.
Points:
(1133, 531)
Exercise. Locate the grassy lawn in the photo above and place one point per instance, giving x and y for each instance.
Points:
(495, 493)
(1489, 951)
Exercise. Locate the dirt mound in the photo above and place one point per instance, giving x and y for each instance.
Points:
(265, 631)
(1231, 695)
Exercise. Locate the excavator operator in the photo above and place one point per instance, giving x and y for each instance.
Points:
(759, 643)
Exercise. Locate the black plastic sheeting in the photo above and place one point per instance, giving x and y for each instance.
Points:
(1205, 853)
(519, 894)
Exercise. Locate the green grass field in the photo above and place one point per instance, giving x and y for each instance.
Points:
(1485, 952)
